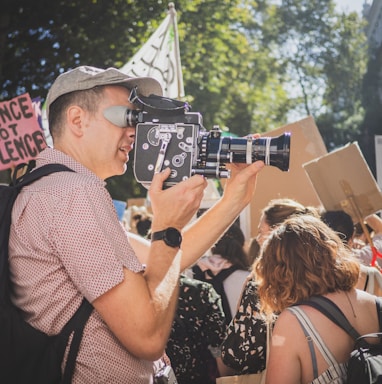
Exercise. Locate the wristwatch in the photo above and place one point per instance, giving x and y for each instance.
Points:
(171, 236)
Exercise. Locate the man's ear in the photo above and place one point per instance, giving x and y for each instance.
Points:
(74, 116)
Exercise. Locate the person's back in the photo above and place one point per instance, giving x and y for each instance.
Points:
(243, 349)
(359, 308)
(197, 333)
(226, 268)
(311, 261)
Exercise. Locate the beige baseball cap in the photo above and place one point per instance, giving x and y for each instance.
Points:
(87, 77)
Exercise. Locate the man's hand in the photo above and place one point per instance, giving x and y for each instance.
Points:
(175, 206)
(240, 187)
(205, 231)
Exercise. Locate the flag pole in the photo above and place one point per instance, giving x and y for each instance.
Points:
(172, 11)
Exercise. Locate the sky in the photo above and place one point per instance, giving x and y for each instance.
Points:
(351, 5)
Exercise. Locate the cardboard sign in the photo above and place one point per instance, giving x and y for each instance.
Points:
(343, 181)
(306, 144)
(21, 138)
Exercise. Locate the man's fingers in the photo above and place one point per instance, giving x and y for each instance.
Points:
(158, 179)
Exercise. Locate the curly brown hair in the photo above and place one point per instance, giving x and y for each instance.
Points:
(302, 257)
(278, 210)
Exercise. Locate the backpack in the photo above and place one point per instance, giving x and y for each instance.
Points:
(365, 363)
(28, 355)
(217, 283)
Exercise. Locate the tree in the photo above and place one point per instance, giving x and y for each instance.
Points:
(372, 102)
(44, 39)
(248, 66)
(232, 78)
(341, 120)
(41, 39)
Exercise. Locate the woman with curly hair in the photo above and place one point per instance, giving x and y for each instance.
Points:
(244, 349)
(301, 258)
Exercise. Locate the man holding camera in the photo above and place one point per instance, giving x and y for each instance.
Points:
(66, 242)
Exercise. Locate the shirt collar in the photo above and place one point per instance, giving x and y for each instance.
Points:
(51, 155)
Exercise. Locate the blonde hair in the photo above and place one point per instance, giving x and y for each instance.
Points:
(302, 257)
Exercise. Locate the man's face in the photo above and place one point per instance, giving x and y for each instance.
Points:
(108, 144)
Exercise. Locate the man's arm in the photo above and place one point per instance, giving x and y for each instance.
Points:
(204, 232)
(140, 310)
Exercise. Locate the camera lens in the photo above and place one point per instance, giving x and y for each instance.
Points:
(272, 150)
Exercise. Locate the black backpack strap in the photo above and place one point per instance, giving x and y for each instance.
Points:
(197, 272)
(217, 282)
(366, 281)
(333, 312)
(378, 302)
(76, 324)
(32, 175)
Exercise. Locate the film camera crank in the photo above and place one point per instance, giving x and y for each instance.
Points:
(169, 135)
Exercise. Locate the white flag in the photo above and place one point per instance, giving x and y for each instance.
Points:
(159, 57)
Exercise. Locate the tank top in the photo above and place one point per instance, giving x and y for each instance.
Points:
(337, 372)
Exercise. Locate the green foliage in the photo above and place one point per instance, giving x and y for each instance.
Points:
(372, 102)
(232, 78)
(344, 69)
(44, 38)
(248, 66)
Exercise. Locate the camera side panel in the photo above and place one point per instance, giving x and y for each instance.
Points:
(179, 155)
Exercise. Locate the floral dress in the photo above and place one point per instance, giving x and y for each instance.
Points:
(244, 348)
(197, 332)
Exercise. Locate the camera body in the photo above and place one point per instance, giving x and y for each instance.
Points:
(169, 135)
(187, 149)
(174, 142)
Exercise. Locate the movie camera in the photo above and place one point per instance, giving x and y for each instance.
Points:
(169, 135)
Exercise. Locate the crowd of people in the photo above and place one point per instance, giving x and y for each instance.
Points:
(196, 296)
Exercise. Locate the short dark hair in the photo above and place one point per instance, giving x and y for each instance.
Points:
(88, 100)
(340, 222)
(231, 247)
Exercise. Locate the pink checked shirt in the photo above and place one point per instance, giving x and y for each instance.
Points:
(66, 242)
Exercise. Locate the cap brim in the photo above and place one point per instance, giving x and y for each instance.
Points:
(146, 85)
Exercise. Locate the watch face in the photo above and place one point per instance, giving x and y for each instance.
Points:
(172, 237)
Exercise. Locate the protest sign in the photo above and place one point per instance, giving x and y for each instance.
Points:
(40, 112)
(21, 138)
(343, 181)
(306, 144)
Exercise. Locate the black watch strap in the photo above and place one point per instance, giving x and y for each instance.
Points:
(171, 236)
